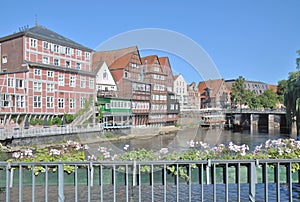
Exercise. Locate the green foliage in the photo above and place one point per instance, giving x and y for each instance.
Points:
(69, 118)
(281, 90)
(290, 98)
(238, 91)
(268, 99)
(56, 121)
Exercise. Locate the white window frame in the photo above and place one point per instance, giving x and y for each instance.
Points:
(92, 83)
(20, 83)
(45, 60)
(37, 101)
(72, 103)
(46, 45)
(33, 42)
(61, 103)
(87, 55)
(78, 52)
(37, 86)
(82, 102)
(50, 87)
(56, 48)
(61, 80)
(37, 72)
(6, 100)
(56, 62)
(68, 63)
(78, 65)
(72, 81)
(10, 82)
(20, 101)
(50, 74)
(82, 82)
(50, 102)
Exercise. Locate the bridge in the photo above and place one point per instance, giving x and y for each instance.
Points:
(265, 121)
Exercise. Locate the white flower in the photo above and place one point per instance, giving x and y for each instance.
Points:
(164, 150)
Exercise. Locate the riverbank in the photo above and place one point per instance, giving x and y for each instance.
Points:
(117, 135)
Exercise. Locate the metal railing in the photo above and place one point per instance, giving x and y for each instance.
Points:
(34, 132)
(211, 180)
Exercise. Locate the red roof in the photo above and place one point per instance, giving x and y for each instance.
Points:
(214, 85)
(112, 56)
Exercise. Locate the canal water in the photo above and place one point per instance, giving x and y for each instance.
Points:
(179, 141)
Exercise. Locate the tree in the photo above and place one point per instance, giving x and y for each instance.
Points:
(268, 99)
(281, 90)
(238, 92)
(292, 99)
(252, 101)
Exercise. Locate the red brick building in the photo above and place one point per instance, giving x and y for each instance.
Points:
(43, 73)
(155, 75)
(127, 69)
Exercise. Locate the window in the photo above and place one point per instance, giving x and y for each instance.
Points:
(19, 83)
(45, 45)
(4, 59)
(134, 65)
(45, 60)
(78, 65)
(82, 82)
(37, 86)
(37, 72)
(92, 84)
(72, 81)
(68, 65)
(68, 51)
(126, 74)
(6, 100)
(82, 102)
(78, 52)
(56, 62)
(33, 43)
(37, 101)
(20, 101)
(87, 55)
(61, 80)
(50, 87)
(61, 103)
(49, 102)
(72, 103)
(10, 82)
(56, 48)
(50, 74)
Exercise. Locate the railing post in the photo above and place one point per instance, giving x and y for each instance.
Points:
(252, 181)
(8, 179)
(61, 196)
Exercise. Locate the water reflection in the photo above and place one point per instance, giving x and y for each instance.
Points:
(178, 142)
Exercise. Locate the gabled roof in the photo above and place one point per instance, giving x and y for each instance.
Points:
(149, 59)
(176, 76)
(164, 62)
(42, 33)
(114, 56)
(213, 85)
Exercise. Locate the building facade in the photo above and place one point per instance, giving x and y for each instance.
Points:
(180, 89)
(214, 94)
(43, 74)
(154, 74)
(128, 72)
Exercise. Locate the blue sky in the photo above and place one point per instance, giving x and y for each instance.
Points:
(256, 39)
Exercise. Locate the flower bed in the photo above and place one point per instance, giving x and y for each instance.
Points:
(74, 151)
